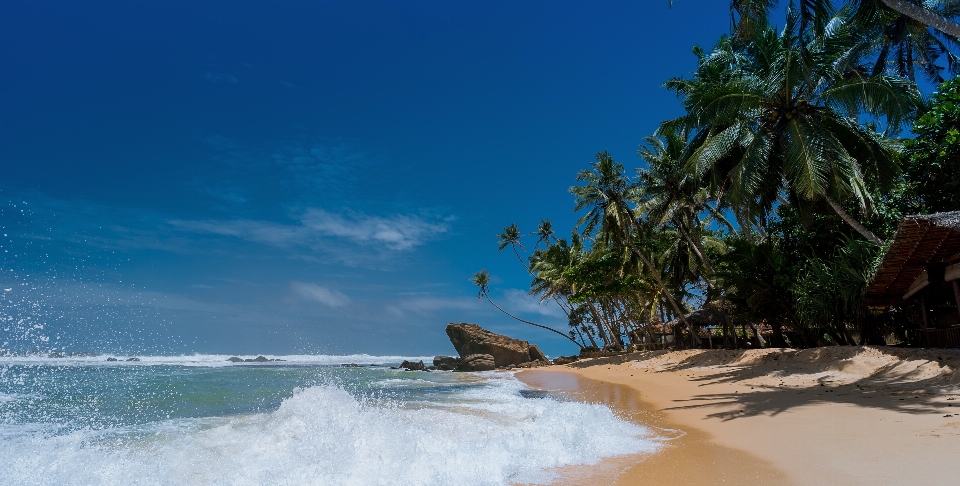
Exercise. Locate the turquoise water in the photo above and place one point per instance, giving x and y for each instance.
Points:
(305, 420)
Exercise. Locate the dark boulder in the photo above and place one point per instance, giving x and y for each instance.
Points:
(469, 339)
(411, 366)
(133, 359)
(446, 362)
(536, 354)
(112, 359)
(477, 362)
(234, 359)
(562, 360)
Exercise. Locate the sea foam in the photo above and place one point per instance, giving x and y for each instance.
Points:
(488, 435)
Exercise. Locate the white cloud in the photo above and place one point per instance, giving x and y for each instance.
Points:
(316, 293)
(521, 302)
(399, 232)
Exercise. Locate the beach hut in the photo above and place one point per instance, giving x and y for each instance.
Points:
(922, 267)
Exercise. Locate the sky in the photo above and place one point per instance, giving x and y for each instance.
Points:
(284, 177)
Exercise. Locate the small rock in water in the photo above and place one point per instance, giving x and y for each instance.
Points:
(411, 366)
(448, 363)
(350, 365)
(133, 359)
(234, 359)
(112, 359)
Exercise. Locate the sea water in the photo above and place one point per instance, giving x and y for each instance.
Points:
(305, 420)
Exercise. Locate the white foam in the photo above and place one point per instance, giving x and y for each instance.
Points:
(489, 435)
(208, 360)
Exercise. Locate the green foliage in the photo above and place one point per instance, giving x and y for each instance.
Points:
(773, 133)
(933, 156)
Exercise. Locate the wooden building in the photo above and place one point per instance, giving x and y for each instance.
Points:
(922, 267)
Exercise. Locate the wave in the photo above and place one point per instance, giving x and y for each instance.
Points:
(207, 360)
(489, 435)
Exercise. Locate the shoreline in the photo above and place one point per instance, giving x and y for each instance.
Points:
(851, 415)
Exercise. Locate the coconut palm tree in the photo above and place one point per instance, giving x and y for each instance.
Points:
(482, 280)
(604, 194)
(767, 121)
(545, 233)
(511, 237)
(671, 195)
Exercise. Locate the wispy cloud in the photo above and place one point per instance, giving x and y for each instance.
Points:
(519, 301)
(316, 293)
(399, 232)
(215, 77)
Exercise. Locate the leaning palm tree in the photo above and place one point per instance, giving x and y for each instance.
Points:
(670, 195)
(767, 121)
(482, 280)
(605, 194)
(511, 237)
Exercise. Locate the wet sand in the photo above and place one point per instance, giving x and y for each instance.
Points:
(851, 415)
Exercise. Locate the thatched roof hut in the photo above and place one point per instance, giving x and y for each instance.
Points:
(924, 257)
(922, 242)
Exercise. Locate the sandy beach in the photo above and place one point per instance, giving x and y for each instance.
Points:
(836, 415)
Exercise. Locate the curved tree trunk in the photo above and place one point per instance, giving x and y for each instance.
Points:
(850, 220)
(925, 16)
(531, 323)
(656, 275)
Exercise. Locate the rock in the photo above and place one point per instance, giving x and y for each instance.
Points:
(112, 359)
(470, 339)
(56, 355)
(477, 362)
(261, 359)
(350, 365)
(562, 360)
(589, 352)
(446, 362)
(411, 366)
(533, 364)
(536, 354)
(234, 359)
(133, 359)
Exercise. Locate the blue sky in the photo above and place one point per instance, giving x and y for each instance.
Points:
(306, 177)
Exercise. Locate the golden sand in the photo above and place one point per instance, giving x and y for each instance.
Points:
(840, 415)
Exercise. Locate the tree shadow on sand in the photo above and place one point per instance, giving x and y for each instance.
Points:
(773, 381)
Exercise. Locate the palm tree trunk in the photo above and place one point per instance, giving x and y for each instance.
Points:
(850, 220)
(925, 16)
(598, 322)
(531, 323)
(655, 274)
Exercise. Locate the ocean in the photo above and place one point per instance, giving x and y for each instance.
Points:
(201, 420)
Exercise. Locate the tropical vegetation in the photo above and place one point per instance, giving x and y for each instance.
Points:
(768, 204)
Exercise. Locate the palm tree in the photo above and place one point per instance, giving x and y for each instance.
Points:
(904, 43)
(605, 193)
(545, 233)
(511, 237)
(767, 121)
(482, 280)
(671, 195)
(938, 15)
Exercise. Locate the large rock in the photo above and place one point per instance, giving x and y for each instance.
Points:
(477, 362)
(471, 339)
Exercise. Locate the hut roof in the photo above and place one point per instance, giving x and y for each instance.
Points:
(920, 241)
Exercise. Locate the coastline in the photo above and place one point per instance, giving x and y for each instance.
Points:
(852, 415)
